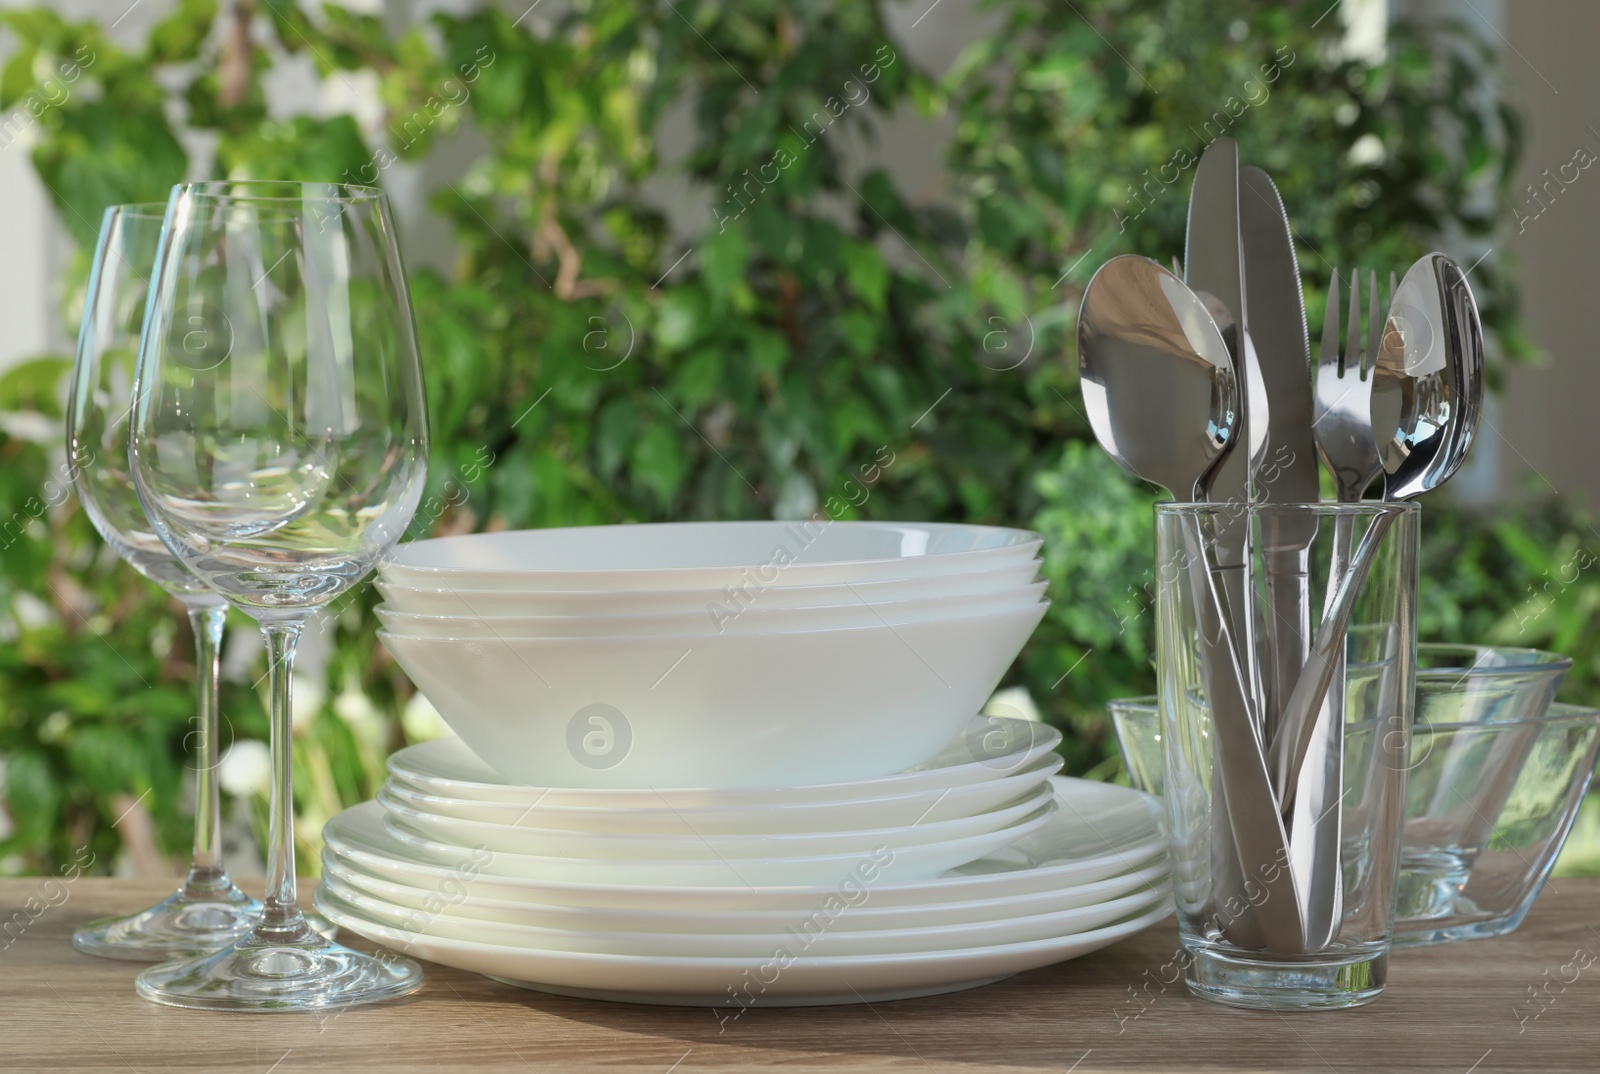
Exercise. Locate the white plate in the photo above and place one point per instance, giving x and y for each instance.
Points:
(696, 555)
(711, 619)
(914, 862)
(716, 710)
(463, 900)
(991, 748)
(816, 931)
(924, 807)
(554, 842)
(1098, 831)
(783, 977)
(646, 601)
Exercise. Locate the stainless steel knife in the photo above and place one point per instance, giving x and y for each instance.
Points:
(1288, 470)
(1289, 474)
(1213, 267)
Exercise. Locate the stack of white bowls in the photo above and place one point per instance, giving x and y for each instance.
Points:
(690, 753)
(715, 654)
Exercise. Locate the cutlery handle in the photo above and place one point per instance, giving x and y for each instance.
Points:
(1250, 813)
(1296, 730)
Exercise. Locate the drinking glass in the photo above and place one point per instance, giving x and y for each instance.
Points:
(1285, 871)
(279, 446)
(207, 911)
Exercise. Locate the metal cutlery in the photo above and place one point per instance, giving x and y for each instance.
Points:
(1139, 325)
(1208, 390)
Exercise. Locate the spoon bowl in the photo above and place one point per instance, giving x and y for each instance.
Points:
(1156, 376)
(1430, 374)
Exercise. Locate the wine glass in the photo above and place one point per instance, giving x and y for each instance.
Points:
(207, 911)
(279, 445)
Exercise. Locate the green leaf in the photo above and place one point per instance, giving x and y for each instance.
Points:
(722, 264)
(867, 273)
(178, 37)
(106, 153)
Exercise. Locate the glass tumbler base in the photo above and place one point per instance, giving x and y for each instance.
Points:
(1243, 979)
(186, 924)
(300, 972)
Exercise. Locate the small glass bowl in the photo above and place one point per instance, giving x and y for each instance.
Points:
(1496, 775)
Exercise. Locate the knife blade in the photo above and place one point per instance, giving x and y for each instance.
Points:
(1213, 267)
(1289, 474)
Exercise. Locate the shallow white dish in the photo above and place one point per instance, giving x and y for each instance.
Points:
(782, 977)
(989, 748)
(719, 710)
(1099, 831)
(712, 618)
(697, 555)
(816, 932)
(501, 838)
(912, 862)
(462, 899)
(456, 601)
(923, 807)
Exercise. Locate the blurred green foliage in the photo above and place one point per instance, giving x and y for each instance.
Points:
(589, 362)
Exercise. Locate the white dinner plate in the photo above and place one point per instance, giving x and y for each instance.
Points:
(464, 900)
(915, 862)
(1099, 831)
(893, 811)
(610, 846)
(990, 748)
(815, 931)
(785, 976)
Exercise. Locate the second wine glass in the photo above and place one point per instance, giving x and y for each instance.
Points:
(279, 446)
(207, 911)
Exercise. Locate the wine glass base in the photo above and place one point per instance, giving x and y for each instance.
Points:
(301, 973)
(186, 924)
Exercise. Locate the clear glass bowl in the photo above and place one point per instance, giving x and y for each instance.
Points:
(1496, 775)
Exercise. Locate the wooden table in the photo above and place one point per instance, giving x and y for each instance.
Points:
(1459, 1008)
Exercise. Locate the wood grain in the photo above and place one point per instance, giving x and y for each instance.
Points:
(1459, 1008)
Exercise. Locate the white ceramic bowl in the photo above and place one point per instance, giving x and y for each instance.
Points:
(725, 710)
(926, 807)
(449, 601)
(704, 555)
(502, 838)
(989, 750)
(710, 620)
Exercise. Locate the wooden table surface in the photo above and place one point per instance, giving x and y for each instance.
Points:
(1458, 1008)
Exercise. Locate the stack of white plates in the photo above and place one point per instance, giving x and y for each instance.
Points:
(733, 763)
(973, 866)
(737, 654)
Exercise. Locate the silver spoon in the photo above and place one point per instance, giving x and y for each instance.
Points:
(1432, 359)
(1159, 386)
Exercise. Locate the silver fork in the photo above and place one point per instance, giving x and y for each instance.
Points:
(1313, 785)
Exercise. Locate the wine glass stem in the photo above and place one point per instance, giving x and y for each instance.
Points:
(205, 873)
(281, 914)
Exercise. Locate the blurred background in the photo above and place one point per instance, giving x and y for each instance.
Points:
(685, 259)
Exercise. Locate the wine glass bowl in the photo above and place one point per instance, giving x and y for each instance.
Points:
(279, 446)
(207, 911)
(284, 426)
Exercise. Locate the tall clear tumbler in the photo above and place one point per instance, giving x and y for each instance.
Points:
(279, 446)
(1286, 659)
